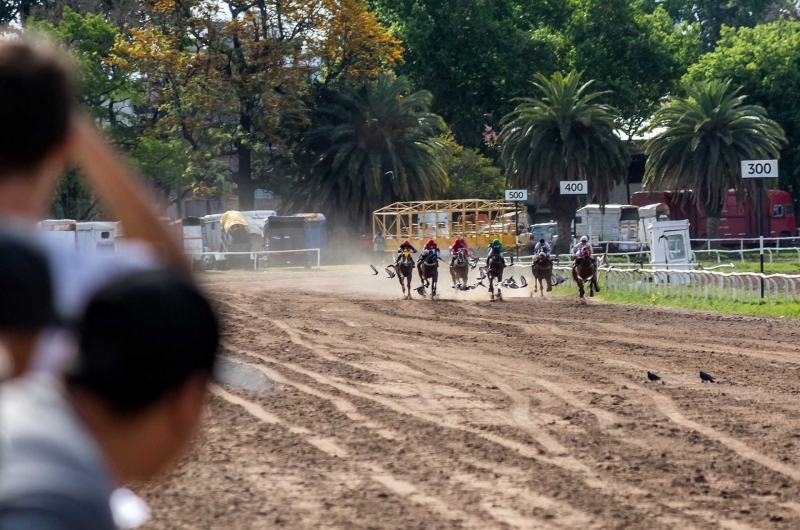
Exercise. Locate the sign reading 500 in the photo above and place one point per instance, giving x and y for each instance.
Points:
(574, 187)
(517, 195)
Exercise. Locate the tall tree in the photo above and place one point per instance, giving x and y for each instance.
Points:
(563, 134)
(470, 175)
(373, 145)
(229, 79)
(712, 15)
(705, 136)
(765, 62)
(475, 55)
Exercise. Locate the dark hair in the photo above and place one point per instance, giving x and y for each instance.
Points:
(142, 337)
(26, 286)
(37, 98)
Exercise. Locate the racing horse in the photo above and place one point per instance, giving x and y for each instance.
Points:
(428, 271)
(405, 272)
(459, 270)
(585, 271)
(495, 272)
(542, 271)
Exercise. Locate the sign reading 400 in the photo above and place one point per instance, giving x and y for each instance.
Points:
(574, 187)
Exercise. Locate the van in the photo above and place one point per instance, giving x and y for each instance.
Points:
(617, 224)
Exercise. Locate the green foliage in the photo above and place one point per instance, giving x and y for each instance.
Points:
(470, 174)
(712, 15)
(474, 56)
(765, 61)
(371, 146)
(638, 57)
(564, 134)
(705, 137)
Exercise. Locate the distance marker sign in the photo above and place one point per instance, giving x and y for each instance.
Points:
(516, 195)
(574, 187)
(759, 169)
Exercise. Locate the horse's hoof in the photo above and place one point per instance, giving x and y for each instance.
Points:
(549, 289)
(591, 295)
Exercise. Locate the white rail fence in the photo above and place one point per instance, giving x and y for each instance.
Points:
(743, 287)
(303, 257)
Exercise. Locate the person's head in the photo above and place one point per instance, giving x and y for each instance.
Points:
(541, 241)
(584, 240)
(38, 98)
(496, 242)
(147, 348)
(26, 301)
(430, 243)
(406, 242)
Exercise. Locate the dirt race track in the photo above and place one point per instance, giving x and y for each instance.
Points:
(469, 414)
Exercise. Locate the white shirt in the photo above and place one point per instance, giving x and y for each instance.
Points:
(577, 250)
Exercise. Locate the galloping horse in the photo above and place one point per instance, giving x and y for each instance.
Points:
(542, 271)
(496, 266)
(405, 271)
(459, 269)
(585, 271)
(429, 272)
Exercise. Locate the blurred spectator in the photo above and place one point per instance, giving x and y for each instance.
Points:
(42, 134)
(26, 302)
(127, 409)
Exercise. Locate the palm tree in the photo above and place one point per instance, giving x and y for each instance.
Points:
(564, 134)
(705, 137)
(374, 145)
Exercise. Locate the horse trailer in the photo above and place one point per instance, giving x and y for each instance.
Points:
(289, 237)
(97, 237)
(616, 223)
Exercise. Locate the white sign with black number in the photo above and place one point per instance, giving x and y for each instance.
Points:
(574, 187)
(517, 195)
(759, 169)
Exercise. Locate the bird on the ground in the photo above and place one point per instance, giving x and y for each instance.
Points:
(524, 282)
(374, 270)
(652, 377)
(705, 377)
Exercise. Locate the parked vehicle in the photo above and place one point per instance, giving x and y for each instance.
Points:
(62, 231)
(739, 221)
(96, 237)
(617, 222)
(293, 236)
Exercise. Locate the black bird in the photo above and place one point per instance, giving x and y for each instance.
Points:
(524, 282)
(374, 270)
(421, 290)
(705, 377)
(653, 377)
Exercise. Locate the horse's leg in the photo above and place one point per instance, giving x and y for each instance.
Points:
(491, 286)
(549, 279)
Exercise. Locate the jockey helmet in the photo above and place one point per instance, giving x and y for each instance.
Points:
(496, 242)
(584, 239)
(541, 241)
(430, 243)
(406, 242)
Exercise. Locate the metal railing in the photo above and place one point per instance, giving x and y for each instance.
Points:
(258, 257)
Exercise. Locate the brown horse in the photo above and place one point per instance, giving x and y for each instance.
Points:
(429, 273)
(473, 218)
(542, 270)
(459, 270)
(495, 272)
(405, 272)
(585, 271)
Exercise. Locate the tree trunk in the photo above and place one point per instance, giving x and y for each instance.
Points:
(712, 229)
(244, 179)
(563, 209)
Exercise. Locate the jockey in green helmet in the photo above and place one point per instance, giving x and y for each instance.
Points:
(496, 247)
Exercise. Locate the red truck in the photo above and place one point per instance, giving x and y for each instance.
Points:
(739, 221)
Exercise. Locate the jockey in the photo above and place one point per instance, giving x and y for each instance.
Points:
(405, 245)
(577, 250)
(458, 244)
(496, 247)
(429, 247)
(541, 246)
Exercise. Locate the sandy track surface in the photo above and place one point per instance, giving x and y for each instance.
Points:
(469, 414)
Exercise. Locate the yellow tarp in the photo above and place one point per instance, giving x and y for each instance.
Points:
(231, 219)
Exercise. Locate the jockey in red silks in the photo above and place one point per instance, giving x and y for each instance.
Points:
(429, 247)
(578, 250)
(458, 244)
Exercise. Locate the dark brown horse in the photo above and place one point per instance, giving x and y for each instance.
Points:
(495, 272)
(542, 270)
(405, 272)
(459, 270)
(585, 271)
(429, 273)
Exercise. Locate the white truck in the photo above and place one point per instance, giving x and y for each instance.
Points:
(619, 224)
(668, 241)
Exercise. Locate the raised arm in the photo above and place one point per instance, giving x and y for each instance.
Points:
(120, 192)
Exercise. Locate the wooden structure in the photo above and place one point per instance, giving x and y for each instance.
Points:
(479, 221)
